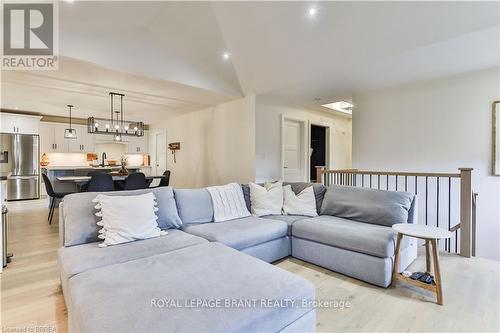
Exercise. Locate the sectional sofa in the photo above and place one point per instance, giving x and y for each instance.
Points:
(131, 286)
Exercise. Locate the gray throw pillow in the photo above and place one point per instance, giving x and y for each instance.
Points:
(367, 205)
(194, 205)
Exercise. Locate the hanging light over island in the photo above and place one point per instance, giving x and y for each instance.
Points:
(115, 125)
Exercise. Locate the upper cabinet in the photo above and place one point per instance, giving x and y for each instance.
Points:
(52, 139)
(19, 124)
(138, 145)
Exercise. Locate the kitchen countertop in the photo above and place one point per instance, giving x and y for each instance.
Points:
(50, 167)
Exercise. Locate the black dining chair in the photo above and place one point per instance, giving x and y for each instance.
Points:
(163, 181)
(135, 181)
(100, 182)
(54, 196)
(85, 187)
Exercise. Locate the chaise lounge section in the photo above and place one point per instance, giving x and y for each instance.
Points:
(180, 267)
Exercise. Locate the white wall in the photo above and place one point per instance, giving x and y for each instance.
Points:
(268, 115)
(438, 125)
(217, 144)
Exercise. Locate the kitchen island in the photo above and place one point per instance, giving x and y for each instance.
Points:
(65, 171)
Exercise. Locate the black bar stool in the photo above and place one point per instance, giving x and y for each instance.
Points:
(53, 196)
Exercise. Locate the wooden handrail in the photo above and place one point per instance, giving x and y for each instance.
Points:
(390, 173)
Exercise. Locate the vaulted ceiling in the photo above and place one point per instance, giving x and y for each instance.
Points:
(167, 56)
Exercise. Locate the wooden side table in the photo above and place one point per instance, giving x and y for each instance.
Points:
(431, 235)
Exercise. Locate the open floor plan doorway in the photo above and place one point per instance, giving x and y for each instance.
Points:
(318, 153)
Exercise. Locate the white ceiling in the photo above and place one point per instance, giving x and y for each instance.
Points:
(275, 48)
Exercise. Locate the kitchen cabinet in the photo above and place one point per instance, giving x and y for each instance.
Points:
(138, 145)
(20, 124)
(84, 141)
(52, 139)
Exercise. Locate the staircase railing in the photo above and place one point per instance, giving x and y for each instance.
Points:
(445, 199)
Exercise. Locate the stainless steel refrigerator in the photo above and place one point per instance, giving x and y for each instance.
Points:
(19, 162)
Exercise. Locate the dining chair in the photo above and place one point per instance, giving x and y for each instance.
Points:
(100, 182)
(85, 187)
(163, 181)
(135, 181)
(53, 195)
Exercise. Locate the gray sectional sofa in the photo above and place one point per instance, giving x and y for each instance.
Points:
(114, 289)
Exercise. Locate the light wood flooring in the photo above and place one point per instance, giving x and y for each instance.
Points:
(31, 293)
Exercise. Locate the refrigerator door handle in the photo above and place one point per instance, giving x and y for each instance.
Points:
(22, 177)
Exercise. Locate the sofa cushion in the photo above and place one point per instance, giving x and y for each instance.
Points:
(319, 192)
(80, 222)
(367, 205)
(194, 205)
(372, 239)
(206, 272)
(240, 233)
(289, 219)
(77, 259)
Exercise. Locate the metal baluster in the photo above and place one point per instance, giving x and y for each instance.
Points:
(362, 180)
(396, 182)
(406, 183)
(370, 181)
(378, 182)
(416, 185)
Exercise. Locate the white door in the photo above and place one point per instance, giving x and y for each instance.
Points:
(294, 164)
(161, 153)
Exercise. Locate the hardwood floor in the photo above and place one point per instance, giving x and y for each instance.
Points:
(31, 293)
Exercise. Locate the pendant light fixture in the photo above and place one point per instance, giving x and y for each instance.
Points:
(115, 125)
(70, 133)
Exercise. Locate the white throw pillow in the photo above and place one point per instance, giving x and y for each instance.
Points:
(127, 218)
(229, 202)
(303, 203)
(267, 199)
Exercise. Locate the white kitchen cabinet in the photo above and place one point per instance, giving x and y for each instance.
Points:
(17, 123)
(84, 141)
(138, 145)
(53, 140)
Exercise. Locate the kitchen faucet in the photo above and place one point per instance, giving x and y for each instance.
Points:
(103, 158)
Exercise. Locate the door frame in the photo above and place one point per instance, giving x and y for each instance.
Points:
(328, 147)
(305, 152)
(156, 158)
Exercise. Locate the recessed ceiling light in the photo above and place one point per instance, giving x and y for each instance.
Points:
(16, 108)
(312, 11)
(225, 56)
(341, 106)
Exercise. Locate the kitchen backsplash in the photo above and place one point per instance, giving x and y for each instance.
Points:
(76, 159)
